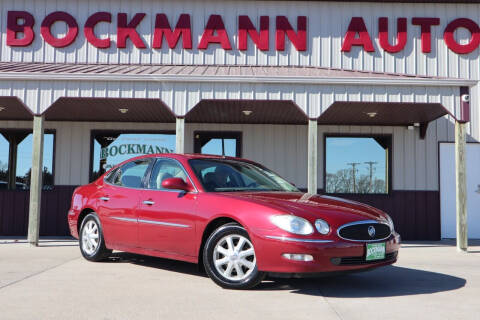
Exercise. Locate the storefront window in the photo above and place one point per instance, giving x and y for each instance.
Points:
(111, 148)
(16, 159)
(3, 162)
(357, 164)
(218, 143)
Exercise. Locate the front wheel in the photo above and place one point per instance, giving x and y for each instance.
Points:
(92, 244)
(229, 258)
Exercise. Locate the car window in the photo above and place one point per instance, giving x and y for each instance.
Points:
(164, 169)
(131, 174)
(229, 175)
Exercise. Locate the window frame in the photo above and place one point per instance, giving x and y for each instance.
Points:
(389, 161)
(95, 132)
(54, 155)
(238, 135)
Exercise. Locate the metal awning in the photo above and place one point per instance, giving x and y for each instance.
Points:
(109, 109)
(11, 108)
(246, 112)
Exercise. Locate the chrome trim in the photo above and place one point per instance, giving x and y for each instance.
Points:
(169, 224)
(364, 222)
(104, 198)
(125, 219)
(149, 202)
(298, 240)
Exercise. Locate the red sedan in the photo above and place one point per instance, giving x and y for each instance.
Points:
(235, 216)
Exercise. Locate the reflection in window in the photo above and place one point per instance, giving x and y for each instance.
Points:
(221, 147)
(16, 159)
(357, 164)
(112, 148)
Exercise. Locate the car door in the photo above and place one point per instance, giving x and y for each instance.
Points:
(118, 202)
(167, 217)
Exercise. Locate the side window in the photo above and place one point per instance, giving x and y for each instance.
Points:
(131, 174)
(164, 169)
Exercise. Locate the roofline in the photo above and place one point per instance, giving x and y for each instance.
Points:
(381, 81)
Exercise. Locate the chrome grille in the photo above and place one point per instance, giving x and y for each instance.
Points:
(366, 231)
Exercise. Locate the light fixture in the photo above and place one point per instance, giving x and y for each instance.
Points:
(123, 110)
(410, 127)
(416, 124)
(247, 112)
(371, 114)
(2, 108)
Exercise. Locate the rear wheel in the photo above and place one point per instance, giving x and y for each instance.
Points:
(92, 244)
(229, 258)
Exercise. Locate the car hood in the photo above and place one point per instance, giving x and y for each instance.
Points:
(334, 210)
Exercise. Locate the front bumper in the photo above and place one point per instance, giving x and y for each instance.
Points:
(339, 255)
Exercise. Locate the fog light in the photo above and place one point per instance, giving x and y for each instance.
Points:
(298, 256)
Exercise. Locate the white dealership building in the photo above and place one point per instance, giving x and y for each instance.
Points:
(362, 100)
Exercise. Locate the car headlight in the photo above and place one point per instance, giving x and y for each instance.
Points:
(322, 226)
(390, 222)
(293, 224)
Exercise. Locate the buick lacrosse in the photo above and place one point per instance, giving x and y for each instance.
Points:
(234, 216)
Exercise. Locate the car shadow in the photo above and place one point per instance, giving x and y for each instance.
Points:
(155, 262)
(387, 281)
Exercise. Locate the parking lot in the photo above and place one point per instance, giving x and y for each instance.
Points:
(430, 281)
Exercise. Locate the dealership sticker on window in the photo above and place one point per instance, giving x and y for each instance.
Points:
(375, 251)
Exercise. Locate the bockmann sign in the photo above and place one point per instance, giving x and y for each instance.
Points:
(132, 149)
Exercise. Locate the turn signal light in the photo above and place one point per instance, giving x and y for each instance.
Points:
(298, 256)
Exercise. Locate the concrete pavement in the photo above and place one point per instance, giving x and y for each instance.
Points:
(430, 281)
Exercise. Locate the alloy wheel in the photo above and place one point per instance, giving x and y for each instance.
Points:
(90, 237)
(234, 257)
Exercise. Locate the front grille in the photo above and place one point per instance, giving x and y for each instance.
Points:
(357, 261)
(360, 231)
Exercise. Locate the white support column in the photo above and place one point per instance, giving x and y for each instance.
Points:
(312, 156)
(180, 136)
(36, 181)
(461, 186)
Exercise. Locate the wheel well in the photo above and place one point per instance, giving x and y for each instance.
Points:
(82, 216)
(212, 226)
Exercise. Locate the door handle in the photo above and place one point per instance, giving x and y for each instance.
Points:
(104, 198)
(149, 202)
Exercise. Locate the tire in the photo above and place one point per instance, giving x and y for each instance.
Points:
(236, 268)
(91, 249)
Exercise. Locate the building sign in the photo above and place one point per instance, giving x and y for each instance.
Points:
(21, 33)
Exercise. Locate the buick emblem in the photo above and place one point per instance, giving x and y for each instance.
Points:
(371, 231)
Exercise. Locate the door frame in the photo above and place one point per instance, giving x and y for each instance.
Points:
(197, 146)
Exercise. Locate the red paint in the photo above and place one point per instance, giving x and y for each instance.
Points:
(129, 30)
(13, 28)
(246, 28)
(357, 26)
(215, 25)
(425, 31)
(298, 39)
(195, 210)
(182, 29)
(89, 29)
(383, 37)
(72, 29)
(449, 36)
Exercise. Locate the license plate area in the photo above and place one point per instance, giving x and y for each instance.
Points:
(375, 251)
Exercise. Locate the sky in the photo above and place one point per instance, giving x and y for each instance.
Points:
(214, 146)
(343, 150)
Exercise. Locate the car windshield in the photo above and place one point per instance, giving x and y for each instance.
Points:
(230, 175)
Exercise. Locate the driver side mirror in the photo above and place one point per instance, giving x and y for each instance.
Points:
(176, 184)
